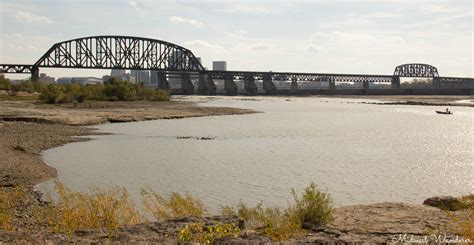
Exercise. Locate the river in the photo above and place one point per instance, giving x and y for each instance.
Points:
(359, 153)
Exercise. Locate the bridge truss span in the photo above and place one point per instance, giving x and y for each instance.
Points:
(292, 76)
(119, 52)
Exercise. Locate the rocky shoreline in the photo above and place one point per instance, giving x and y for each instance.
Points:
(27, 128)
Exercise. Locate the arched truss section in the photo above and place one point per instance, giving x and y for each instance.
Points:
(120, 52)
(416, 70)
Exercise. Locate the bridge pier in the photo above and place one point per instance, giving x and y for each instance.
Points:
(396, 82)
(186, 84)
(205, 85)
(365, 84)
(332, 84)
(294, 85)
(268, 84)
(249, 85)
(163, 83)
(230, 86)
(35, 74)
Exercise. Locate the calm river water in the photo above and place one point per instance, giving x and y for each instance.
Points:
(359, 153)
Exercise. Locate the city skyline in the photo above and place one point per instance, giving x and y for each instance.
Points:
(306, 36)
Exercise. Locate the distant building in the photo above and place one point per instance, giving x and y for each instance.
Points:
(79, 80)
(117, 73)
(141, 76)
(219, 65)
(46, 79)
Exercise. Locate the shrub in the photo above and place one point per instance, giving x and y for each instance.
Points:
(5, 84)
(314, 206)
(52, 94)
(175, 206)
(281, 224)
(105, 209)
(123, 90)
(277, 224)
(26, 86)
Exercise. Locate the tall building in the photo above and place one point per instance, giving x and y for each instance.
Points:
(219, 65)
(141, 76)
(117, 73)
(46, 79)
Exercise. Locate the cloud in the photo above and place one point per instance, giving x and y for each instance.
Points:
(202, 44)
(132, 3)
(249, 9)
(30, 17)
(178, 19)
(261, 46)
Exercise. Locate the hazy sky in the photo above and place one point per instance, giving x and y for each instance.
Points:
(368, 37)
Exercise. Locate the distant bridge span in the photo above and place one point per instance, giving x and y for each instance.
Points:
(136, 53)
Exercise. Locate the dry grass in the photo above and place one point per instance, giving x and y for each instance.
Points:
(10, 199)
(463, 222)
(175, 206)
(20, 96)
(104, 209)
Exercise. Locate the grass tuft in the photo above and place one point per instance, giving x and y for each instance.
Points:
(175, 206)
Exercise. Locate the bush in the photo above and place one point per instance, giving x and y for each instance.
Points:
(314, 206)
(123, 90)
(26, 86)
(53, 94)
(173, 207)
(5, 84)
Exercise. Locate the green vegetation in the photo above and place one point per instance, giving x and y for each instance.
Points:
(5, 83)
(207, 234)
(112, 90)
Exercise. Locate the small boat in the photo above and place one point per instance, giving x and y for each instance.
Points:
(444, 112)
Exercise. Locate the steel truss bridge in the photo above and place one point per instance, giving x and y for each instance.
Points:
(168, 59)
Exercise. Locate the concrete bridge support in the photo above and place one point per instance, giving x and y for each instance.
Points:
(436, 82)
(332, 84)
(163, 83)
(205, 85)
(365, 84)
(396, 82)
(250, 86)
(35, 74)
(268, 84)
(294, 85)
(186, 84)
(230, 86)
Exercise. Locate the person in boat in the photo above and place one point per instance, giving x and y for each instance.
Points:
(447, 110)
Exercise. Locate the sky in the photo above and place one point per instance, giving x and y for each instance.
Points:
(326, 36)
